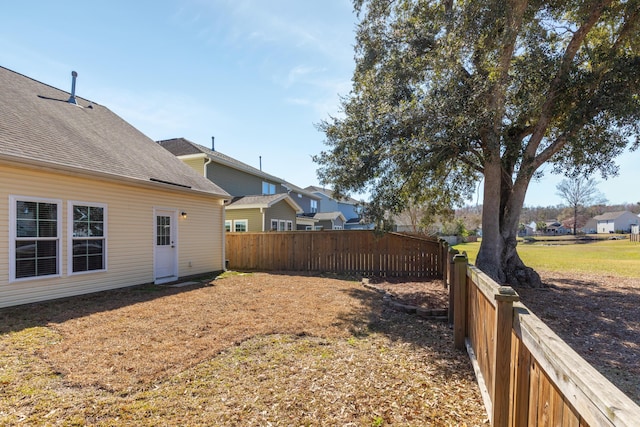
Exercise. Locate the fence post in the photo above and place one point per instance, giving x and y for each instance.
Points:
(444, 261)
(505, 297)
(459, 301)
(449, 281)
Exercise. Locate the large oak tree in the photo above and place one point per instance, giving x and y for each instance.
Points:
(446, 93)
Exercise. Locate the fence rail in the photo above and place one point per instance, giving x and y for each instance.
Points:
(528, 375)
(360, 252)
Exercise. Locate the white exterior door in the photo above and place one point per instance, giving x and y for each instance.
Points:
(166, 247)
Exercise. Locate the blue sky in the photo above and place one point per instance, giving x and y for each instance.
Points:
(255, 74)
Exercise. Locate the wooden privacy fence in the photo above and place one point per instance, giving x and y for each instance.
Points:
(528, 376)
(634, 237)
(362, 252)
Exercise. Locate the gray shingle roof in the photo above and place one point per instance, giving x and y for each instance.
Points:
(38, 125)
(182, 146)
(608, 216)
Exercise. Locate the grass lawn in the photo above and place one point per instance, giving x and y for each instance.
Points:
(619, 258)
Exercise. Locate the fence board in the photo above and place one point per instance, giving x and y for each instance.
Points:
(346, 251)
(544, 380)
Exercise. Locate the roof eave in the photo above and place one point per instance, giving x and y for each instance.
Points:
(76, 171)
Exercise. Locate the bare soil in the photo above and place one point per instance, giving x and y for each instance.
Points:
(599, 317)
(251, 349)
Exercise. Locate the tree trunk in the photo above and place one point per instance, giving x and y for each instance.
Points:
(502, 204)
(492, 245)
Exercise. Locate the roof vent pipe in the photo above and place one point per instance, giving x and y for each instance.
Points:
(72, 98)
(213, 143)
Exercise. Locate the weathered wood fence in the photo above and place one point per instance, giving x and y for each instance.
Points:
(361, 252)
(634, 237)
(528, 375)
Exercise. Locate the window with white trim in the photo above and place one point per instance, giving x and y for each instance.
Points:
(88, 231)
(227, 225)
(289, 225)
(240, 225)
(314, 206)
(274, 225)
(281, 225)
(35, 231)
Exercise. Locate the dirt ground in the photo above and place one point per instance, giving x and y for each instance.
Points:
(251, 349)
(281, 349)
(598, 316)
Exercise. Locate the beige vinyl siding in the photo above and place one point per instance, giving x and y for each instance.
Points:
(253, 215)
(130, 239)
(196, 164)
(281, 211)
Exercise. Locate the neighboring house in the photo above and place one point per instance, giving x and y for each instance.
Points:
(328, 221)
(552, 226)
(239, 180)
(591, 226)
(349, 207)
(614, 222)
(525, 230)
(276, 212)
(89, 203)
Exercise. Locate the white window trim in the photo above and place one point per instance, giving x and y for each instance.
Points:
(271, 228)
(241, 221)
(228, 222)
(282, 225)
(70, 205)
(289, 226)
(13, 236)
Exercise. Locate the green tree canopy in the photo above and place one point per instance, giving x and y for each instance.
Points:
(448, 92)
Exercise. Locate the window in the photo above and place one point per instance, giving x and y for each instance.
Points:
(88, 237)
(227, 225)
(289, 225)
(274, 225)
(281, 225)
(35, 237)
(314, 206)
(268, 188)
(240, 225)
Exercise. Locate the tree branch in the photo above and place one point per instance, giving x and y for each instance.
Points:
(552, 94)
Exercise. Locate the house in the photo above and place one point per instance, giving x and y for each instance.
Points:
(591, 226)
(89, 203)
(349, 207)
(552, 226)
(328, 221)
(250, 188)
(525, 230)
(274, 212)
(615, 222)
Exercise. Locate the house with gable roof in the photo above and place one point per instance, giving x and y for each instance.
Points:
(614, 222)
(261, 202)
(89, 203)
(350, 208)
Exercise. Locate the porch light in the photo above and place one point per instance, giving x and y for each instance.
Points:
(183, 214)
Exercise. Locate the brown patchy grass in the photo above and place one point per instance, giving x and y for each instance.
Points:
(254, 349)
